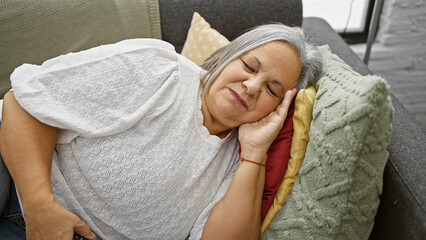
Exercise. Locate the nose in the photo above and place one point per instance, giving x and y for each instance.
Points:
(252, 86)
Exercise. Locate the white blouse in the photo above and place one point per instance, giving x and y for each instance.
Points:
(133, 159)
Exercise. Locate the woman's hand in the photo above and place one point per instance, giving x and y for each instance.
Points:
(52, 221)
(256, 138)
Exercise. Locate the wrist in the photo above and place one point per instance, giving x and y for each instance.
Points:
(36, 200)
(254, 156)
(35, 207)
(253, 162)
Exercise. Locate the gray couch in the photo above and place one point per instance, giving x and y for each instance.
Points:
(401, 214)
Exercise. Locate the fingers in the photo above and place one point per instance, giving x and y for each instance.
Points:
(282, 109)
(82, 229)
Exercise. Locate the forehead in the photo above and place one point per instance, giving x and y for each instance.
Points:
(280, 59)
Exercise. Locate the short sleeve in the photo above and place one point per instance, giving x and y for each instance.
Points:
(100, 91)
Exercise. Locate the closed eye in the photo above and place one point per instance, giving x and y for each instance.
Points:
(248, 66)
(271, 91)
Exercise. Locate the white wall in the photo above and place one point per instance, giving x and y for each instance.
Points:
(349, 15)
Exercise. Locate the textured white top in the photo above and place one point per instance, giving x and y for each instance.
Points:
(133, 158)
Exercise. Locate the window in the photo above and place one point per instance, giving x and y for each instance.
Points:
(350, 18)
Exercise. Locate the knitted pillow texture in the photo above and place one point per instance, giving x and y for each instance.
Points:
(336, 195)
(302, 117)
(201, 42)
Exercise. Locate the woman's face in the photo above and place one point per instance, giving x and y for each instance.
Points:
(252, 85)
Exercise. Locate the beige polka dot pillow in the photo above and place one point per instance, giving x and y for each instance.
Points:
(202, 40)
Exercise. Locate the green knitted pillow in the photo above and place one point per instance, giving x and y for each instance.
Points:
(337, 193)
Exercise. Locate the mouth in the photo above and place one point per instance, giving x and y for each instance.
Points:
(238, 98)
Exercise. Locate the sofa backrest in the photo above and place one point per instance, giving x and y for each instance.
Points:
(230, 18)
(32, 31)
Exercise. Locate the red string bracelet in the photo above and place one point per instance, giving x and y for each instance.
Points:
(243, 159)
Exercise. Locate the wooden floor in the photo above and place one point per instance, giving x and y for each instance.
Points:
(408, 84)
(411, 92)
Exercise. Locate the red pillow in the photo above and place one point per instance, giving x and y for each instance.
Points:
(276, 165)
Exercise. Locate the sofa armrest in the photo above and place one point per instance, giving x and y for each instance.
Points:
(176, 16)
(401, 214)
(322, 33)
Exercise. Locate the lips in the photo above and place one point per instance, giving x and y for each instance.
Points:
(238, 98)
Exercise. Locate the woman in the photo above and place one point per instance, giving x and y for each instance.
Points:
(144, 149)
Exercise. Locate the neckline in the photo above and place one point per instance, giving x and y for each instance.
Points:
(203, 131)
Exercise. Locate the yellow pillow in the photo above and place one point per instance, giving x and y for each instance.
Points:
(202, 40)
(302, 117)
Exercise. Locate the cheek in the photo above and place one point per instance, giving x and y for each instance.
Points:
(220, 81)
(269, 107)
(265, 107)
(231, 74)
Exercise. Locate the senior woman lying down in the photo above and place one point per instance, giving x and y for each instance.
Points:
(145, 142)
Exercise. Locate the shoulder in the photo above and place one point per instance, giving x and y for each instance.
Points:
(133, 49)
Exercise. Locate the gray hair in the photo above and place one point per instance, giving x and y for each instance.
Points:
(309, 56)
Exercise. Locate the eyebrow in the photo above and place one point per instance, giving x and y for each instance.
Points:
(259, 64)
(276, 82)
